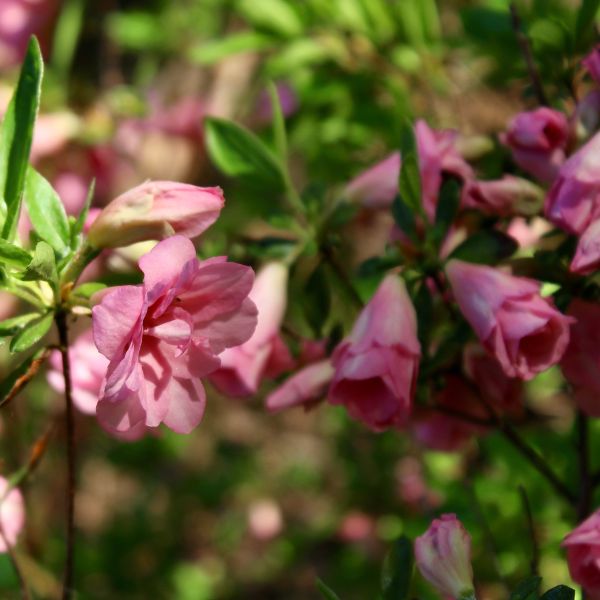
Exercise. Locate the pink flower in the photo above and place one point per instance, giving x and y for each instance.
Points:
(524, 331)
(528, 232)
(504, 197)
(377, 186)
(587, 255)
(443, 557)
(583, 554)
(592, 63)
(155, 210)
(265, 353)
(537, 140)
(376, 366)
(12, 515)
(581, 362)
(163, 336)
(306, 387)
(574, 199)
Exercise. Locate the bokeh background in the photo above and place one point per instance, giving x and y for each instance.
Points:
(255, 506)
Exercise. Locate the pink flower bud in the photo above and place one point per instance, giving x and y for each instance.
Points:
(155, 210)
(12, 515)
(443, 557)
(587, 255)
(592, 63)
(504, 197)
(376, 187)
(583, 554)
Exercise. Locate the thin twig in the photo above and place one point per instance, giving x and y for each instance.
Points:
(535, 550)
(24, 379)
(585, 480)
(63, 336)
(523, 40)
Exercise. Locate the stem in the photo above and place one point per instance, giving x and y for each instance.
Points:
(15, 565)
(535, 551)
(523, 40)
(585, 479)
(81, 259)
(342, 277)
(63, 336)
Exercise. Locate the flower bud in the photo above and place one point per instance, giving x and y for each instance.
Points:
(155, 210)
(443, 556)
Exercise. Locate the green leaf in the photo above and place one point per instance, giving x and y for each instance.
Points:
(405, 218)
(13, 255)
(397, 571)
(279, 132)
(277, 16)
(32, 333)
(326, 591)
(77, 227)
(410, 178)
(485, 247)
(208, 53)
(87, 290)
(46, 211)
(527, 589)
(447, 208)
(560, 592)
(16, 136)
(586, 18)
(43, 265)
(317, 299)
(15, 324)
(240, 153)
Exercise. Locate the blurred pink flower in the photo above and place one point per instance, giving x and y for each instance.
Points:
(592, 63)
(504, 197)
(524, 331)
(443, 557)
(356, 526)
(52, 132)
(537, 140)
(163, 336)
(287, 99)
(587, 254)
(376, 366)
(574, 199)
(581, 362)
(155, 210)
(528, 232)
(586, 117)
(583, 554)
(265, 520)
(12, 515)
(377, 186)
(265, 353)
(412, 486)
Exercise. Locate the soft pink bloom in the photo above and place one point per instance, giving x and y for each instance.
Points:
(592, 63)
(528, 232)
(287, 99)
(444, 432)
(524, 331)
(162, 336)
(376, 366)
(412, 486)
(306, 387)
(12, 515)
(356, 527)
(581, 362)
(574, 199)
(72, 188)
(155, 210)
(537, 140)
(583, 554)
(265, 520)
(52, 132)
(377, 186)
(265, 353)
(443, 556)
(587, 255)
(504, 197)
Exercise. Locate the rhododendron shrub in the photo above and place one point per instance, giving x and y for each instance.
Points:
(255, 333)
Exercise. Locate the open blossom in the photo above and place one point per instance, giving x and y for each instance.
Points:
(161, 337)
(265, 353)
(155, 210)
(524, 331)
(443, 556)
(12, 515)
(573, 201)
(581, 362)
(537, 140)
(583, 554)
(376, 366)
(504, 197)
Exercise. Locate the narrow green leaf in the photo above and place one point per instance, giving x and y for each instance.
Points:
(560, 592)
(15, 324)
(586, 18)
(279, 132)
(405, 218)
(87, 290)
(13, 255)
(43, 265)
(326, 591)
(447, 208)
(32, 333)
(277, 16)
(527, 589)
(485, 247)
(46, 211)
(208, 53)
(17, 134)
(397, 571)
(77, 227)
(240, 153)
(410, 178)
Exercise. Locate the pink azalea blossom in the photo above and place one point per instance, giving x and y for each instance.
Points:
(265, 353)
(12, 515)
(592, 63)
(537, 140)
(504, 197)
(443, 557)
(377, 186)
(573, 201)
(163, 336)
(583, 554)
(376, 366)
(524, 331)
(155, 210)
(528, 232)
(587, 255)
